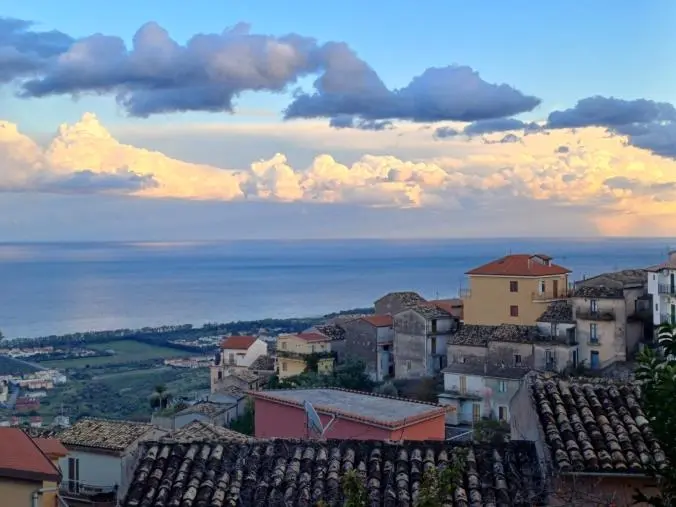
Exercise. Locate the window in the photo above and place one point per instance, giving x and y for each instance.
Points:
(593, 332)
(502, 386)
(594, 305)
(220, 375)
(502, 413)
(73, 475)
(542, 287)
(408, 365)
(284, 366)
(514, 311)
(513, 286)
(284, 345)
(231, 358)
(517, 359)
(476, 412)
(549, 357)
(433, 345)
(463, 383)
(434, 325)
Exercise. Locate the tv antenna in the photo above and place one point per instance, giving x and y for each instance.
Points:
(314, 424)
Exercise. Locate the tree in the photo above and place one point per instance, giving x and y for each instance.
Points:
(656, 373)
(160, 398)
(354, 490)
(491, 431)
(246, 423)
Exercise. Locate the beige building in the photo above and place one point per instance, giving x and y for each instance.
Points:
(295, 351)
(514, 289)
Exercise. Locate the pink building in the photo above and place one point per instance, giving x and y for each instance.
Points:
(356, 415)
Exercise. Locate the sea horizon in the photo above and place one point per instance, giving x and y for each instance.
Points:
(77, 286)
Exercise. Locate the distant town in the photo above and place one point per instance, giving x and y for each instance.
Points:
(520, 356)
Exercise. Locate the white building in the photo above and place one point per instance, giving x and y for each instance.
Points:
(242, 350)
(478, 391)
(662, 288)
(101, 456)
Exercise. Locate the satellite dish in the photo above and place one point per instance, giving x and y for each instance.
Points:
(314, 423)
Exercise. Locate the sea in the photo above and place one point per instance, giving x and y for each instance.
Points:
(57, 288)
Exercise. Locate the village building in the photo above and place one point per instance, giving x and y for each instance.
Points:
(297, 352)
(101, 453)
(421, 335)
(394, 302)
(370, 339)
(28, 475)
(346, 415)
(514, 289)
(306, 473)
(591, 435)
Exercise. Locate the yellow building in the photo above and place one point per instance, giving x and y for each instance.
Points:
(515, 289)
(295, 352)
(28, 476)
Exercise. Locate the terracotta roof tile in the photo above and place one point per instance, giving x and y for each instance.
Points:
(378, 320)
(518, 265)
(104, 434)
(238, 342)
(407, 298)
(313, 337)
(595, 425)
(201, 431)
(21, 458)
(306, 473)
(51, 447)
(264, 363)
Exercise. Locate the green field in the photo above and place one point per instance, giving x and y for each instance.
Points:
(125, 351)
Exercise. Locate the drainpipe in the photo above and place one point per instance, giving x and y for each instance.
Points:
(35, 496)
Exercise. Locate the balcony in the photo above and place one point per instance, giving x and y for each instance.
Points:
(464, 293)
(305, 355)
(591, 314)
(667, 289)
(552, 295)
(594, 341)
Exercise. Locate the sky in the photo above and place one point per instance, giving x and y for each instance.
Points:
(222, 120)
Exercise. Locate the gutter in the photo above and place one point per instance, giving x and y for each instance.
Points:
(605, 474)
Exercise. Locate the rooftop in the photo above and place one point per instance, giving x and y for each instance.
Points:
(598, 291)
(406, 298)
(595, 425)
(105, 434)
(333, 331)
(21, 458)
(238, 342)
(265, 363)
(311, 337)
(201, 431)
(479, 335)
(558, 311)
(378, 320)
(431, 311)
(487, 370)
(382, 410)
(51, 447)
(303, 473)
(207, 408)
(520, 265)
(620, 279)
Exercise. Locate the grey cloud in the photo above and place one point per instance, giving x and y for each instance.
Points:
(660, 138)
(490, 126)
(611, 112)
(24, 51)
(563, 149)
(349, 86)
(158, 75)
(352, 122)
(637, 186)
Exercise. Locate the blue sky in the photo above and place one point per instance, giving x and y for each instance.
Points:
(558, 50)
(446, 154)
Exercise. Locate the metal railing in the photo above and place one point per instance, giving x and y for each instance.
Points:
(666, 289)
(595, 314)
(464, 293)
(304, 355)
(552, 295)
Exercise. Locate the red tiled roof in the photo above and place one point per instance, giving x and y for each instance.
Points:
(238, 342)
(313, 337)
(518, 265)
(21, 458)
(379, 320)
(51, 447)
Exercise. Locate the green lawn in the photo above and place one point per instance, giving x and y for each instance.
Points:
(125, 351)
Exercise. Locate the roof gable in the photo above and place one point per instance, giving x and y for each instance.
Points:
(520, 265)
(22, 458)
(238, 342)
(378, 320)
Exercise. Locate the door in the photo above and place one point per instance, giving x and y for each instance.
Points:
(555, 288)
(73, 475)
(463, 383)
(575, 359)
(672, 283)
(672, 317)
(594, 359)
(476, 412)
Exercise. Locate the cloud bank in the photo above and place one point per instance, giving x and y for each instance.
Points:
(583, 169)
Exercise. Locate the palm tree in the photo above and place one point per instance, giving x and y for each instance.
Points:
(160, 397)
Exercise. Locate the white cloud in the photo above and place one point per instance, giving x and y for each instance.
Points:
(618, 184)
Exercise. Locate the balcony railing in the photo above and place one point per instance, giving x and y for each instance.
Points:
(594, 340)
(304, 355)
(590, 314)
(464, 293)
(552, 295)
(666, 289)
